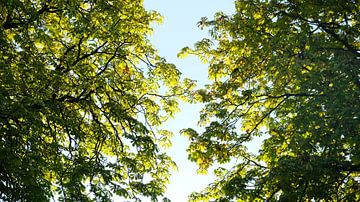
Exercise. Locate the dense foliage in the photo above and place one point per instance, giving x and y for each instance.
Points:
(80, 102)
(289, 72)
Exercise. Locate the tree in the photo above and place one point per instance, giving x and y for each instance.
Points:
(79, 101)
(289, 72)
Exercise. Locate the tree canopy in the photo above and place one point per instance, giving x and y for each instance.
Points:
(79, 101)
(288, 72)
(83, 93)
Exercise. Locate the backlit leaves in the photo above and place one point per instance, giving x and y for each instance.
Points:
(81, 103)
(288, 72)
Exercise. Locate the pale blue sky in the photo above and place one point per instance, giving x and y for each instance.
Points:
(179, 29)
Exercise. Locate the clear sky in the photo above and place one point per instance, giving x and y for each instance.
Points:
(178, 30)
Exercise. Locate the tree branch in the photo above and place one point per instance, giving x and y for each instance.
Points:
(9, 24)
(339, 39)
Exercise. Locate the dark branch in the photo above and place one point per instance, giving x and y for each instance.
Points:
(96, 50)
(339, 39)
(9, 24)
(293, 95)
(110, 59)
(82, 96)
(328, 28)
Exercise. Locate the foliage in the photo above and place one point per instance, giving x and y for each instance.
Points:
(287, 71)
(80, 103)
